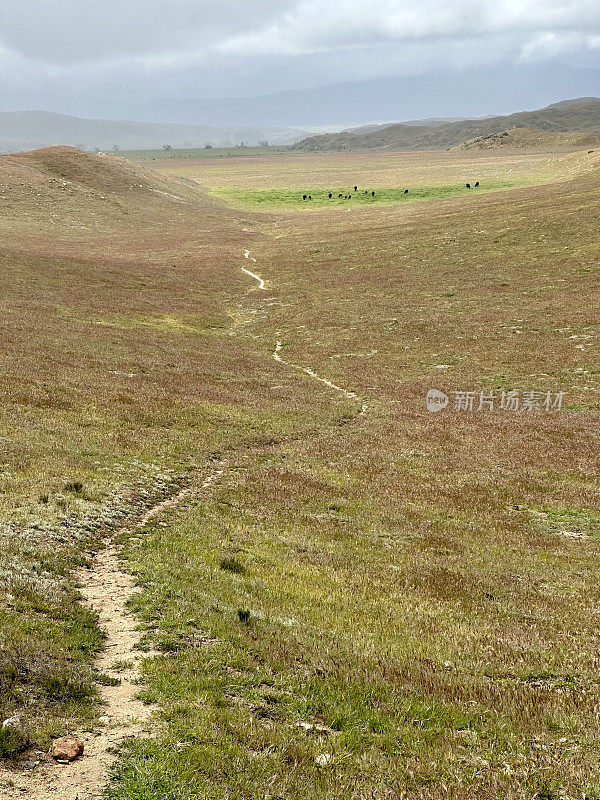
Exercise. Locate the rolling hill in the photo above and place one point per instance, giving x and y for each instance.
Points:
(531, 138)
(581, 114)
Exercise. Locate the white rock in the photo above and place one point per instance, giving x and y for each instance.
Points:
(11, 722)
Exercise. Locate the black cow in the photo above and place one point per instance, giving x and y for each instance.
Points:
(406, 191)
(468, 185)
(310, 197)
(477, 184)
(356, 188)
(339, 195)
(372, 194)
(330, 195)
(304, 197)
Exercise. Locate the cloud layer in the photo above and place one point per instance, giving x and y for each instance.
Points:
(214, 47)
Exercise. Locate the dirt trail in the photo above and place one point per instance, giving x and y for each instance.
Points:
(106, 588)
(261, 283)
(346, 392)
(278, 346)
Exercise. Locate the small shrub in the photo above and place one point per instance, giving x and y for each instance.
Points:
(75, 487)
(548, 791)
(244, 615)
(233, 565)
(12, 741)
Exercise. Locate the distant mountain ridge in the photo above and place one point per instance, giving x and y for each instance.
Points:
(30, 130)
(580, 114)
(469, 92)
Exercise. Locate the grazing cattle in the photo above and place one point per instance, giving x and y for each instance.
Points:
(372, 194)
(366, 192)
(304, 197)
(330, 195)
(356, 188)
(477, 184)
(339, 195)
(468, 185)
(406, 191)
(310, 197)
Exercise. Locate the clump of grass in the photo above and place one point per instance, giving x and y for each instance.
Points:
(12, 742)
(107, 680)
(74, 487)
(66, 686)
(232, 565)
(244, 615)
(121, 666)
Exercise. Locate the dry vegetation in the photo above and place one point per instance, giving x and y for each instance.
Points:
(370, 606)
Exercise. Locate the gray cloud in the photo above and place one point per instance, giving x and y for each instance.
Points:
(164, 32)
(115, 51)
(77, 31)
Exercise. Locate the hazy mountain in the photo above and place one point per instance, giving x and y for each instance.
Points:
(465, 93)
(421, 123)
(582, 114)
(28, 130)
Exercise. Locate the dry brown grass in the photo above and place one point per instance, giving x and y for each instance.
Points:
(118, 373)
(405, 581)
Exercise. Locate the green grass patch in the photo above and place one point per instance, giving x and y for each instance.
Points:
(293, 198)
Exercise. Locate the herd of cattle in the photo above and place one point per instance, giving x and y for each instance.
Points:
(349, 196)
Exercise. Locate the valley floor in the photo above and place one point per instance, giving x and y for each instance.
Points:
(369, 600)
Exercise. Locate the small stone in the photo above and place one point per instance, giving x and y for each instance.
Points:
(323, 759)
(11, 722)
(29, 765)
(67, 748)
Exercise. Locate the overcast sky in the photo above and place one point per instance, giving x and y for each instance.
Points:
(103, 52)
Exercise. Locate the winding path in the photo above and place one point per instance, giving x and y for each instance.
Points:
(106, 589)
(261, 283)
(279, 345)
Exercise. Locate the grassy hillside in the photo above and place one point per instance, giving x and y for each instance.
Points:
(118, 383)
(372, 600)
(581, 115)
(531, 139)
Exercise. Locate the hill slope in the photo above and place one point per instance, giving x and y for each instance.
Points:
(531, 139)
(573, 115)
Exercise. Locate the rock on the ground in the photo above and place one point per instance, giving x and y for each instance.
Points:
(67, 748)
(11, 722)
